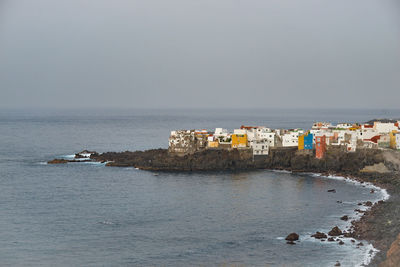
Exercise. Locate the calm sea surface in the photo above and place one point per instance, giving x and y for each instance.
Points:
(90, 215)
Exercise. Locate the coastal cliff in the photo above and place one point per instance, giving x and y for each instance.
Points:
(335, 160)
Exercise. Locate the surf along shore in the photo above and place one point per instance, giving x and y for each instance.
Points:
(379, 225)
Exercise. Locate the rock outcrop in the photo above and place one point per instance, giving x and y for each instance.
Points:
(292, 237)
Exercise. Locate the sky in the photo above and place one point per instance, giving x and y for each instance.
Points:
(199, 54)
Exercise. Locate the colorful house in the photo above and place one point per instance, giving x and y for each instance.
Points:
(392, 135)
(320, 146)
(239, 140)
(301, 142)
(306, 141)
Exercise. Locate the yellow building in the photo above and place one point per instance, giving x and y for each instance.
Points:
(301, 142)
(392, 136)
(239, 140)
(213, 144)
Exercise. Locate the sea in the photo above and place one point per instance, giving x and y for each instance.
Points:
(87, 214)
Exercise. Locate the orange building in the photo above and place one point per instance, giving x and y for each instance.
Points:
(320, 146)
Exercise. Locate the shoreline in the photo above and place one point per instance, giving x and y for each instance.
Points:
(378, 224)
(370, 253)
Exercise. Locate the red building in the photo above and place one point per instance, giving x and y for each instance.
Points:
(320, 146)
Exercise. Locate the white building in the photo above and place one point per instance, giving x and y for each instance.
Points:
(384, 127)
(344, 125)
(260, 147)
(291, 138)
(398, 141)
(352, 145)
(366, 133)
(220, 132)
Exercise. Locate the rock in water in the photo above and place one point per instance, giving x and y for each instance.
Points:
(341, 242)
(332, 190)
(57, 161)
(344, 218)
(368, 203)
(337, 263)
(292, 237)
(319, 235)
(290, 243)
(335, 231)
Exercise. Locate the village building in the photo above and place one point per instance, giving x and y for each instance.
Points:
(239, 138)
(291, 138)
(212, 141)
(385, 127)
(398, 140)
(392, 136)
(182, 142)
(384, 141)
(260, 147)
(306, 141)
(321, 125)
(366, 132)
(320, 146)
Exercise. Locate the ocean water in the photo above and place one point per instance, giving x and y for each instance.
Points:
(86, 214)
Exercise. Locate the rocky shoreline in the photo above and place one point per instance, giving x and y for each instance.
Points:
(379, 225)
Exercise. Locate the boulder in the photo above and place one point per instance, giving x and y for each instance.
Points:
(331, 239)
(335, 231)
(332, 190)
(368, 203)
(341, 242)
(344, 218)
(337, 263)
(292, 237)
(319, 235)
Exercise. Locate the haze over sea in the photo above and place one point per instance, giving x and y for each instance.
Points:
(89, 215)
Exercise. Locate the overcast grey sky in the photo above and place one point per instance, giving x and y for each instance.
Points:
(199, 53)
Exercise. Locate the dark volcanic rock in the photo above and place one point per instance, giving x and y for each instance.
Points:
(348, 234)
(344, 218)
(290, 243)
(341, 242)
(331, 239)
(337, 263)
(368, 203)
(319, 235)
(332, 190)
(336, 160)
(57, 161)
(292, 237)
(335, 231)
(372, 191)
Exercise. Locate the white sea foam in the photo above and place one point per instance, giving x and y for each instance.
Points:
(42, 163)
(107, 222)
(369, 254)
(68, 156)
